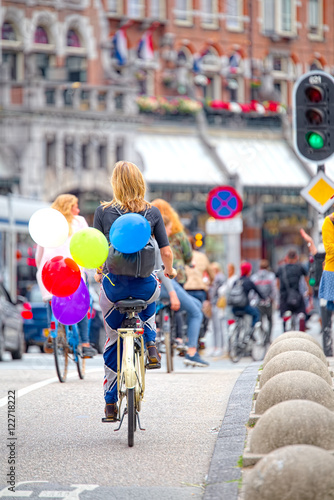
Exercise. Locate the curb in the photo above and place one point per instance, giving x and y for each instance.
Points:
(224, 473)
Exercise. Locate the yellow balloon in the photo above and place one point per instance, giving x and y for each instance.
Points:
(89, 248)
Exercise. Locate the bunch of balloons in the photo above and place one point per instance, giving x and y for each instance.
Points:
(61, 275)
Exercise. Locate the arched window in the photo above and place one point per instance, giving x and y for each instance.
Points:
(73, 39)
(8, 32)
(41, 35)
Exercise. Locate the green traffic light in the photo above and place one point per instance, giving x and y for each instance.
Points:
(315, 140)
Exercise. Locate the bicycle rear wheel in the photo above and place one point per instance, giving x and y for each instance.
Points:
(130, 396)
(235, 350)
(60, 351)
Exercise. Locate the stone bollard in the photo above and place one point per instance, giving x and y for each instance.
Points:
(293, 422)
(296, 384)
(295, 335)
(294, 360)
(294, 344)
(297, 472)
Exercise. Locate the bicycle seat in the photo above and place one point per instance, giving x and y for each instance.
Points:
(127, 305)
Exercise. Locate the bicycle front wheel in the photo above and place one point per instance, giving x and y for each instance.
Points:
(169, 352)
(81, 366)
(234, 349)
(130, 396)
(60, 351)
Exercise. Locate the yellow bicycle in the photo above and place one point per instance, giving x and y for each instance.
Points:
(131, 372)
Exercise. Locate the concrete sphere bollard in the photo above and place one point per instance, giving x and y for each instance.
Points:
(294, 345)
(295, 360)
(298, 472)
(296, 335)
(293, 422)
(297, 384)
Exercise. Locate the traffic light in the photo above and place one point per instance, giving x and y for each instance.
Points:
(313, 109)
(199, 240)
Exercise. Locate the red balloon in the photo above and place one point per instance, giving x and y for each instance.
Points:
(61, 276)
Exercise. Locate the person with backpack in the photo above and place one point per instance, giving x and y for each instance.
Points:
(238, 296)
(265, 281)
(289, 276)
(128, 189)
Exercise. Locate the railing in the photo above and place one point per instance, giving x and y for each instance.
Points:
(68, 96)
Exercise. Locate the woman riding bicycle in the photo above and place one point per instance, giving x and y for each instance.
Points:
(128, 189)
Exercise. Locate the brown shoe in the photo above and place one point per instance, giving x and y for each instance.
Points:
(153, 356)
(111, 412)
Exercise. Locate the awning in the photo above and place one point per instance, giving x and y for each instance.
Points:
(15, 212)
(262, 162)
(171, 159)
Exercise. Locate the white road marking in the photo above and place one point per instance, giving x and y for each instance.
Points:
(38, 385)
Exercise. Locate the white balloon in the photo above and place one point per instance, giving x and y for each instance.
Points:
(48, 227)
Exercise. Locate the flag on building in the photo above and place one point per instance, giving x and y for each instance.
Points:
(120, 47)
(197, 63)
(145, 47)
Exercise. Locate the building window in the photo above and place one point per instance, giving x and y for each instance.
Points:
(277, 63)
(115, 7)
(73, 39)
(209, 13)
(102, 156)
(120, 150)
(42, 65)
(50, 153)
(41, 35)
(76, 69)
(279, 17)
(119, 101)
(85, 155)
(8, 32)
(69, 154)
(183, 12)
(135, 8)
(157, 9)
(10, 60)
(315, 18)
(234, 13)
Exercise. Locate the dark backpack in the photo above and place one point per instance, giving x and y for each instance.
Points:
(237, 296)
(137, 265)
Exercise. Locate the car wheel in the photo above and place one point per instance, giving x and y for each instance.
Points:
(2, 344)
(20, 350)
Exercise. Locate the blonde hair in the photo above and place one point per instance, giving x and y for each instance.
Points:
(64, 204)
(167, 211)
(129, 188)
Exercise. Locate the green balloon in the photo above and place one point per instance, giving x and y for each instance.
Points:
(89, 248)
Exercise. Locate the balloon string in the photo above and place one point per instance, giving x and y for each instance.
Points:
(106, 276)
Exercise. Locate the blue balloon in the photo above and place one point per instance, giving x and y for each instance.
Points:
(130, 233)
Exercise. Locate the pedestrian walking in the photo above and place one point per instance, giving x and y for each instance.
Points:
(265, 280)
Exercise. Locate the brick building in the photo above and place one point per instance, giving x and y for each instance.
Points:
(70, 71)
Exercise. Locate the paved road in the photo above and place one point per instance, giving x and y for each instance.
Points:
(61, 441)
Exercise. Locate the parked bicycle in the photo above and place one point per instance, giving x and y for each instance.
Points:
(242, 341)
(131, 372)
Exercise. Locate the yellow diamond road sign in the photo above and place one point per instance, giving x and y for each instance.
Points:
(319, 192)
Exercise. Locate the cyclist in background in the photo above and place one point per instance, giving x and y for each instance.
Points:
(66, 204)
(248, 285)
(265, 281)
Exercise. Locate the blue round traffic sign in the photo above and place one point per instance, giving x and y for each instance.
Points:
(223, 202)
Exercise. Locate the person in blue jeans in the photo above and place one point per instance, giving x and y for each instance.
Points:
(248, 285)
(128, 187)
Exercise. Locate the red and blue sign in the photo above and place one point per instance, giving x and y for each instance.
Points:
(223, 202)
